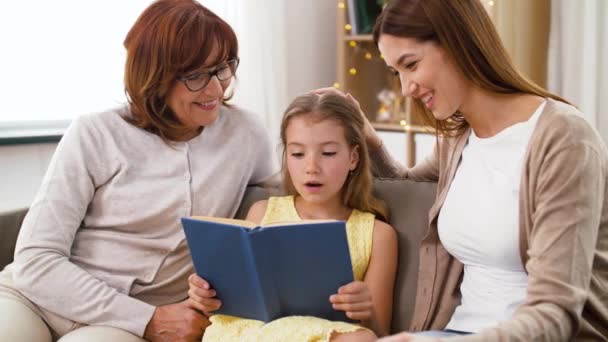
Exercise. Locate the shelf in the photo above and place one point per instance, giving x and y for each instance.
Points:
(395, 127)
(359, 38)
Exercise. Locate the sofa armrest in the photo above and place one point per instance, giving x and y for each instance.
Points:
(10, 223)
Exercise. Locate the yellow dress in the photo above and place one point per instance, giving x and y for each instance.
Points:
(359, 229)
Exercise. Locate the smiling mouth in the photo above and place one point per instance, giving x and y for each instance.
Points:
(427, 98)
(313, 184)
(207, 105)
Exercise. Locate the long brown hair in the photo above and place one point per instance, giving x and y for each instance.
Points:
(464, 29)
(170, 39)
(357, 191)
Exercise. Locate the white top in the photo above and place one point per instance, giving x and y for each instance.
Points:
(102, 243)
(479, 225)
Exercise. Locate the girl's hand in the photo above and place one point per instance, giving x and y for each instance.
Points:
(355, 299)
(202, 296)
(373, 140)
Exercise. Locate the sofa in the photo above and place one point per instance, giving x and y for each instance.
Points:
(408, 201)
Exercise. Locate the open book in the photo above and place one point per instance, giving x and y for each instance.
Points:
(265, 273)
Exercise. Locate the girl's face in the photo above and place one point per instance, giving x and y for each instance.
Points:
(318, 157)
(426, 72)
(195, 109)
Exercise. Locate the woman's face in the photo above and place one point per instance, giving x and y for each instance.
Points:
(426, 72)
(201, 107)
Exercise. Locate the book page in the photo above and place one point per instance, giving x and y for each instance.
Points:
(234, 222)
(295, 223)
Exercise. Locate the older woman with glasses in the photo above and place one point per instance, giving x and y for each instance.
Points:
(101, 254)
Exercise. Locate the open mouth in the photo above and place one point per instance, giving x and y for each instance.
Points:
(313, 184)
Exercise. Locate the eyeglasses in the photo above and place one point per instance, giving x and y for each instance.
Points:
(200, 80)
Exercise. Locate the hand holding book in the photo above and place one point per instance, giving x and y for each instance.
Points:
(202, 297)
(353, 298)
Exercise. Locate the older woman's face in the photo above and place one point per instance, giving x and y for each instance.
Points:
(199, 108)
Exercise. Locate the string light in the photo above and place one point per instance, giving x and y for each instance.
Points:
(352, 43)
(368, 56)
(347, 27)
(490, 6)
(352, 71)
(341, 5)
(337, 85)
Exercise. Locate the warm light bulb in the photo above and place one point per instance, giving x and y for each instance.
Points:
(368, 55)
(337, 85)
(352, 71)
(381, 56)
(341, 4)
(352, 43)
(347, 27)
(402, 122)
(491, 3)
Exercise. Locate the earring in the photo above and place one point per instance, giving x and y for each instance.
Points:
(351, 172)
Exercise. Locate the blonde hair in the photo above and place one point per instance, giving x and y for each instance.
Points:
(357, 191)
(464, 29)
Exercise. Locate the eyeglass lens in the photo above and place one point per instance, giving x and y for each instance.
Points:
(223, 73)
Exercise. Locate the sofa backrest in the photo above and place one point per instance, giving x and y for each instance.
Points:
(10, 222)
(409, 203)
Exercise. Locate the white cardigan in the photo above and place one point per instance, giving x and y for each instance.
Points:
(102, 243)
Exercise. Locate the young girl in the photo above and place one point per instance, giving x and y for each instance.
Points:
(327, 176)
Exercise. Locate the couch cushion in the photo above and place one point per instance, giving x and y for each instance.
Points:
(409, 203)
(10, 223)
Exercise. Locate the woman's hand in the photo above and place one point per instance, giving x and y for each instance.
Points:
(202, 296)
(355, 299)
(373, 140)
(176, 322)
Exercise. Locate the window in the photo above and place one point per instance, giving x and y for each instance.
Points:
(62, 58)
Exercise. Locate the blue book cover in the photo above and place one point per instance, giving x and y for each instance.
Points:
(265, 273)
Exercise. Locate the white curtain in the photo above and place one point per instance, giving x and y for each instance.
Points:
(262, 76)
(578, 55)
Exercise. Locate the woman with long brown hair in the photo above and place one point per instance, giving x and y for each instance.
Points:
(101, 255)
(518, 239)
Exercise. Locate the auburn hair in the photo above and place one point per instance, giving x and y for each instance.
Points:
(170, 39)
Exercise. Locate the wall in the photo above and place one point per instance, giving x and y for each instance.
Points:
(523, 26)
(23, 167)
(311, 45)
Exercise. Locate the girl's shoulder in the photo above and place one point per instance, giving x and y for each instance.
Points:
(384, 229)
(381, 229)
(256, 211)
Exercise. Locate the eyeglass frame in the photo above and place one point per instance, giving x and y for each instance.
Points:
(215, 72)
